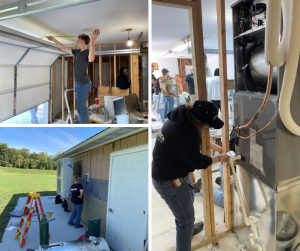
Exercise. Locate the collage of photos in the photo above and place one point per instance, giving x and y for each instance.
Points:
(149, 125)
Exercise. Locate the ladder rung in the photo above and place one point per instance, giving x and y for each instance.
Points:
(24, 219)
(18, 234)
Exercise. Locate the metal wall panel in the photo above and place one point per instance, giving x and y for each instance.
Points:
(6, 105)
(39, 58)
(28, 98)
(6, 78)
(29, 76)
(10, 54)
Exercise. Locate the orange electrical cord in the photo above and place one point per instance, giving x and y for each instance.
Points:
(262, 107)
(260, 129)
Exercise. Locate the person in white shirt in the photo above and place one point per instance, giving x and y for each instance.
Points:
(214, 90)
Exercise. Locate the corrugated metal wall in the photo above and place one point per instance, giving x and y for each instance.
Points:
(97, 163)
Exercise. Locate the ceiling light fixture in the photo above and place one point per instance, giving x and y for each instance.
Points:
(129, 43)
(168, 54)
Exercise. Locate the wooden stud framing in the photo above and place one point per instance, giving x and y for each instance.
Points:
(115, 67)
(109, 70)
(196, 34)
(53, 89)
(63, 89)
(93, 78)
(100, 68)
(224, 104)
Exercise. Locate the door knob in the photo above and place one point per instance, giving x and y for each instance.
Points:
(110, 210)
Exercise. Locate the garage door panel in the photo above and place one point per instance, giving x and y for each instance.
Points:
(39, 58)
(10, 54)
(29, 98)
(6, 104)
(6, 78)
(29, 76)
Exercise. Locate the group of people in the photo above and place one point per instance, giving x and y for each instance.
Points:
(163, 86)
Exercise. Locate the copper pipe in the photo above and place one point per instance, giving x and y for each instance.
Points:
(262, 107)
(262, 128)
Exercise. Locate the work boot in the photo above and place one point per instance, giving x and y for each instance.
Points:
(198, 228)
(197, 186)
(218, 181)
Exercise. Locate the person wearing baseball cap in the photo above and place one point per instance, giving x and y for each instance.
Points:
(166, 92)
(176, 153)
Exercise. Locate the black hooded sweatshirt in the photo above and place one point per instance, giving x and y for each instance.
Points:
(122, 80)
(177, 149)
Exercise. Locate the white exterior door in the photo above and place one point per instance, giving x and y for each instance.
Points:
(128, 201)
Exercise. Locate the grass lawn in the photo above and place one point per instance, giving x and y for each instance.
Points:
(15, 183)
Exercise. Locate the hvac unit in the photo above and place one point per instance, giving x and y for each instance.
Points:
(64, 176)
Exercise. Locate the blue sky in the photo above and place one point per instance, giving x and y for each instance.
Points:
(46, 139)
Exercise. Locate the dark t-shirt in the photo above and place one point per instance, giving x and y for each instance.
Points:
(80, 66)
(153, 78)
(190, 80)
(75, 190)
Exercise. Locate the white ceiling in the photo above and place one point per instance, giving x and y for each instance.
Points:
(111, 17)
(169, 25)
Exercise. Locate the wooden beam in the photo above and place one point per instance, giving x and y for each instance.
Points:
(109, 69)
(135, 75)
(196, 34)
(53, 89)
(74, 95)
(100, 68)
(63, 89)
(115, 67)
(87, 101)
(224, 106)
(93, 79)
(175, 3)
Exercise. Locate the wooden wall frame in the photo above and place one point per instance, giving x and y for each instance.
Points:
(196, 34)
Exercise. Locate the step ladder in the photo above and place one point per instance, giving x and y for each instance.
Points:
(33, 199)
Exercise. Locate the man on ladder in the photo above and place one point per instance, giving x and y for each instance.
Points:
(83, 83)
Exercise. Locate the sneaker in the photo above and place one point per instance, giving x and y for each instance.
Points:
(197, 186)
(71, 224)
(218, 181)
(79, 226)
(198, 227)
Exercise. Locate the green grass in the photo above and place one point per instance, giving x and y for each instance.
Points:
(15, 183)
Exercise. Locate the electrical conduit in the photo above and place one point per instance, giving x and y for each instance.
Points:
(251, 220)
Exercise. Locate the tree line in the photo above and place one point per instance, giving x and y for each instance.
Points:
(21, 158)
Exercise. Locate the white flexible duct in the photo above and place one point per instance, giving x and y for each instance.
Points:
(276, 55)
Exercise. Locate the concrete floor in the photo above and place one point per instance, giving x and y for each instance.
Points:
(25, 117)
(58, 228)
(163, 222)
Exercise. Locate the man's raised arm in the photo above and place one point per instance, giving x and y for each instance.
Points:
(96, 33)
(61, 46)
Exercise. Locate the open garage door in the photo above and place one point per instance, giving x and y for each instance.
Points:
(25, 72)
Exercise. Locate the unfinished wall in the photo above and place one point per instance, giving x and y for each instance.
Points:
(96, 162)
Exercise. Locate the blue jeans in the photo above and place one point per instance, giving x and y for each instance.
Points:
(180, 200)
(76, 214)
(82, 92)
(33, 112)
(168, 105)
(218, 195)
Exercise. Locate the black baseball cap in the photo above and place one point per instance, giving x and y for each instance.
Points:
(206, 112)
(164, 70)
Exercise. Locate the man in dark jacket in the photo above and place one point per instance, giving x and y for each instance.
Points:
(122, 80)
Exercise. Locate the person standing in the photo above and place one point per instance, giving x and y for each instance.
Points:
(176, 153)
(190, 80)
(77, 201)
(122, 80)
(83, 83)
(214, 90)
(167, 93)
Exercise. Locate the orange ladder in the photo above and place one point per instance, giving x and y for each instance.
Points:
(33, 199)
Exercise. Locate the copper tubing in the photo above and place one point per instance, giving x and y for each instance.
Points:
(260, 110)
(262, 128)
